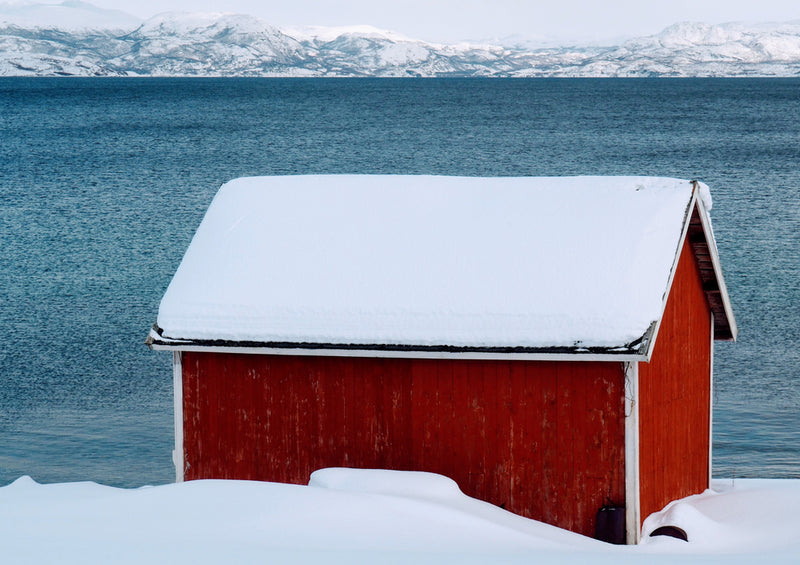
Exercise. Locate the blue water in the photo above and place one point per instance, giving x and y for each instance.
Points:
(103, 181)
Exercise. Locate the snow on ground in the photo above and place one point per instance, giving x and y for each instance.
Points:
(357, 516)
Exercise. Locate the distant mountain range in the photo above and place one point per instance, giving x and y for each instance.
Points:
(78, 39)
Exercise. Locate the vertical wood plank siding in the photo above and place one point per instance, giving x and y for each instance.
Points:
(542, 439)
(674, 389)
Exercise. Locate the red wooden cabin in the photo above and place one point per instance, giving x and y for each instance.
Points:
(545, 342)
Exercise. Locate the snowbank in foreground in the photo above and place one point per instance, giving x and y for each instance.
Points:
(347, 516)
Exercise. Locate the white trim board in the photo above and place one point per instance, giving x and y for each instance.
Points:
(177, 380)
(632, 494)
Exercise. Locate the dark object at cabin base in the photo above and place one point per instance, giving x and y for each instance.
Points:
(610, 525)
(671, 531)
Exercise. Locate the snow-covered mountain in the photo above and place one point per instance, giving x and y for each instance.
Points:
(697, 49)
(84, 40)
(208, 44)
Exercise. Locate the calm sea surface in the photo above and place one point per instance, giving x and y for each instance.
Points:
(103, 182)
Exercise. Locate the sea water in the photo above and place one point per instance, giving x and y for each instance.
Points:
(103, 182)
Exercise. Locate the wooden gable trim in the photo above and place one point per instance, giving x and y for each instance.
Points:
(704, 248)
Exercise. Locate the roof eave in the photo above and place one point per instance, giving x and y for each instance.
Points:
(156, 341)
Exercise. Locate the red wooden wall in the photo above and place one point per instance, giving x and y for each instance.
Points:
(674, 396)
(542, 439)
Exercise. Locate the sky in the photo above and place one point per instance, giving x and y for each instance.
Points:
(456, 20)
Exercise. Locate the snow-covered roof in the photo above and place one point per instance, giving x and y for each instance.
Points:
(432, 264)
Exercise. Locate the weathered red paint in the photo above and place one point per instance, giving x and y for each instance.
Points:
(542, 439)
(675, 396)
